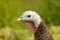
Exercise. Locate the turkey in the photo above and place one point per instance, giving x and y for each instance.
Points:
(35, 22)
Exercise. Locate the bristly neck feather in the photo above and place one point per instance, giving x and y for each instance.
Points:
(42, 33)
(37, 21)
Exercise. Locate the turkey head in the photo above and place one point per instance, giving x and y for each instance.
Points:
(31, 18)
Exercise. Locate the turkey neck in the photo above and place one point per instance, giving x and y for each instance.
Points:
(42, 33)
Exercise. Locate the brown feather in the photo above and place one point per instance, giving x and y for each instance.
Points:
(42, 33)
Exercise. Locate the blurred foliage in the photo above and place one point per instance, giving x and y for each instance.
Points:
(10, 10)
(8, 33)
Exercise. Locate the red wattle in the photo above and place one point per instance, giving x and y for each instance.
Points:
(31, 25)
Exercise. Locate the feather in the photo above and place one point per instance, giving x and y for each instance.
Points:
(42, 33)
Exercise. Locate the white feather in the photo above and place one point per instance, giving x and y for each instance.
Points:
(34, 17)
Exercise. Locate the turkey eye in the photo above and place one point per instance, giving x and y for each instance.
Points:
(29, 15)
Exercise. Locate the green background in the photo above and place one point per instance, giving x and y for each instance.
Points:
(10, 10)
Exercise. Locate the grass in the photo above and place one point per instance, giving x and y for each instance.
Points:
(8, 33)
(55, 32)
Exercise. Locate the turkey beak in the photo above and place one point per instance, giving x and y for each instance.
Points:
(18, 19)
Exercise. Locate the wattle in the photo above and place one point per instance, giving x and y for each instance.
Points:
(31, 25)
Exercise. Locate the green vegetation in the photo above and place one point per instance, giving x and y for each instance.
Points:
(10, 10)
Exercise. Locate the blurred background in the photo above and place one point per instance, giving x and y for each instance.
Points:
(10, 10)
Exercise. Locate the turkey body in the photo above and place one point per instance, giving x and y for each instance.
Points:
(42, 33)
